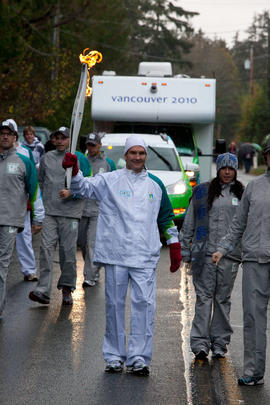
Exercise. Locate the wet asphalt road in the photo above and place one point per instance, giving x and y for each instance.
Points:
(53, 354)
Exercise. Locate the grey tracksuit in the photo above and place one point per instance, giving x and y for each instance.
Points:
(213, 284)
(252, 224)
(60, 224)
(18, 180)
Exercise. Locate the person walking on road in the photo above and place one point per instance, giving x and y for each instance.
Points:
(245, 153)
(33, 143)
(209, 215)
(251, 224)
(133, 205)
(88, 223)
(18, 180)
(24, 247)
(60, 224)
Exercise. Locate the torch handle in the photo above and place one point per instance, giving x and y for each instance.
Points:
(68, 177)
(76, 118)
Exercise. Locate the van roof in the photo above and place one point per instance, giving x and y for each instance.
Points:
(149, 139)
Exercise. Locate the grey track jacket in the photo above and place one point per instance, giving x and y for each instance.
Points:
(51, 178)
(219, 219)
(18, 181)
(252, 222)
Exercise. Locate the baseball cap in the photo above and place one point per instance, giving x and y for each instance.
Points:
(93, 139)
(62, 130)
(8, 124)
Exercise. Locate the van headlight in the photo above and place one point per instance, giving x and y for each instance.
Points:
(190, 173)
(177, 188)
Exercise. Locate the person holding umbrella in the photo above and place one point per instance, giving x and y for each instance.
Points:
(245, 154)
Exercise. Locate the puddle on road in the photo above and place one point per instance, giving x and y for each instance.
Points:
(210, 382)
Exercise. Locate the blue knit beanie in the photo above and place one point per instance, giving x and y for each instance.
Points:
(227, 160)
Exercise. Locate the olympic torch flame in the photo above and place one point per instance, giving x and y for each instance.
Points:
(90, 58)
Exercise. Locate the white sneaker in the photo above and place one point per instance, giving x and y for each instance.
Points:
(138, 368)
(114, 366)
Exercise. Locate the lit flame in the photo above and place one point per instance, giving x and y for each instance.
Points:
(90, 59)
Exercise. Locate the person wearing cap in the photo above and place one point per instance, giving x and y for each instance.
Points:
(50, 144)
(88, 223)
(60, 223)
(251, 225)
(212, 207)
(134, 205)
(24, 245)
(33, 143)
(18, 180)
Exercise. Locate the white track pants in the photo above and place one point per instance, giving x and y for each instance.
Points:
(142, 311)
(86, 240)
(24, 248)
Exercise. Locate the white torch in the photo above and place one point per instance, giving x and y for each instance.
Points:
(88, 60)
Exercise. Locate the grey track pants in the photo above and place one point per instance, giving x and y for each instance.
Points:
(7, 241)
(64, 230)
(211, 327)
(256, 292)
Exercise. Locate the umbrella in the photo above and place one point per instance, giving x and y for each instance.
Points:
(257, 147)
(244, 149)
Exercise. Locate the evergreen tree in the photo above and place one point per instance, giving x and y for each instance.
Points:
(159, 31)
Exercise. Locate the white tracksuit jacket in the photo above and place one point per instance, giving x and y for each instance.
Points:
(132, 208)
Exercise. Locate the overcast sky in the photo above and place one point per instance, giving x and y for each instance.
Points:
(223, 18)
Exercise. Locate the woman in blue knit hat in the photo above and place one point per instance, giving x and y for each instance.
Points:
(212, 207)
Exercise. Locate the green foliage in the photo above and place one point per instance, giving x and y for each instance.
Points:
(41, 41)
(212, 59)
(255, 120)
(159, 30)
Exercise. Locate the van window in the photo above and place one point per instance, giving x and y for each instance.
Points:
(158, 158)
(181, 134)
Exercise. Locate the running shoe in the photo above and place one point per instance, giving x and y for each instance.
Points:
(67, 297)
(37, 296)
(218, 353)
(114, 366)
(250, 381)
(89, 283)
(138, 368)
(30, 277)
(201, 355)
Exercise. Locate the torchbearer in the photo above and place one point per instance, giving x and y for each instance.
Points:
(134, 205)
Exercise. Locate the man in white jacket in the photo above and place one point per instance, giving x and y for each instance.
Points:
(134, 205)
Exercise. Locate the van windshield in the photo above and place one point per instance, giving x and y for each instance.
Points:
(157, 158)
